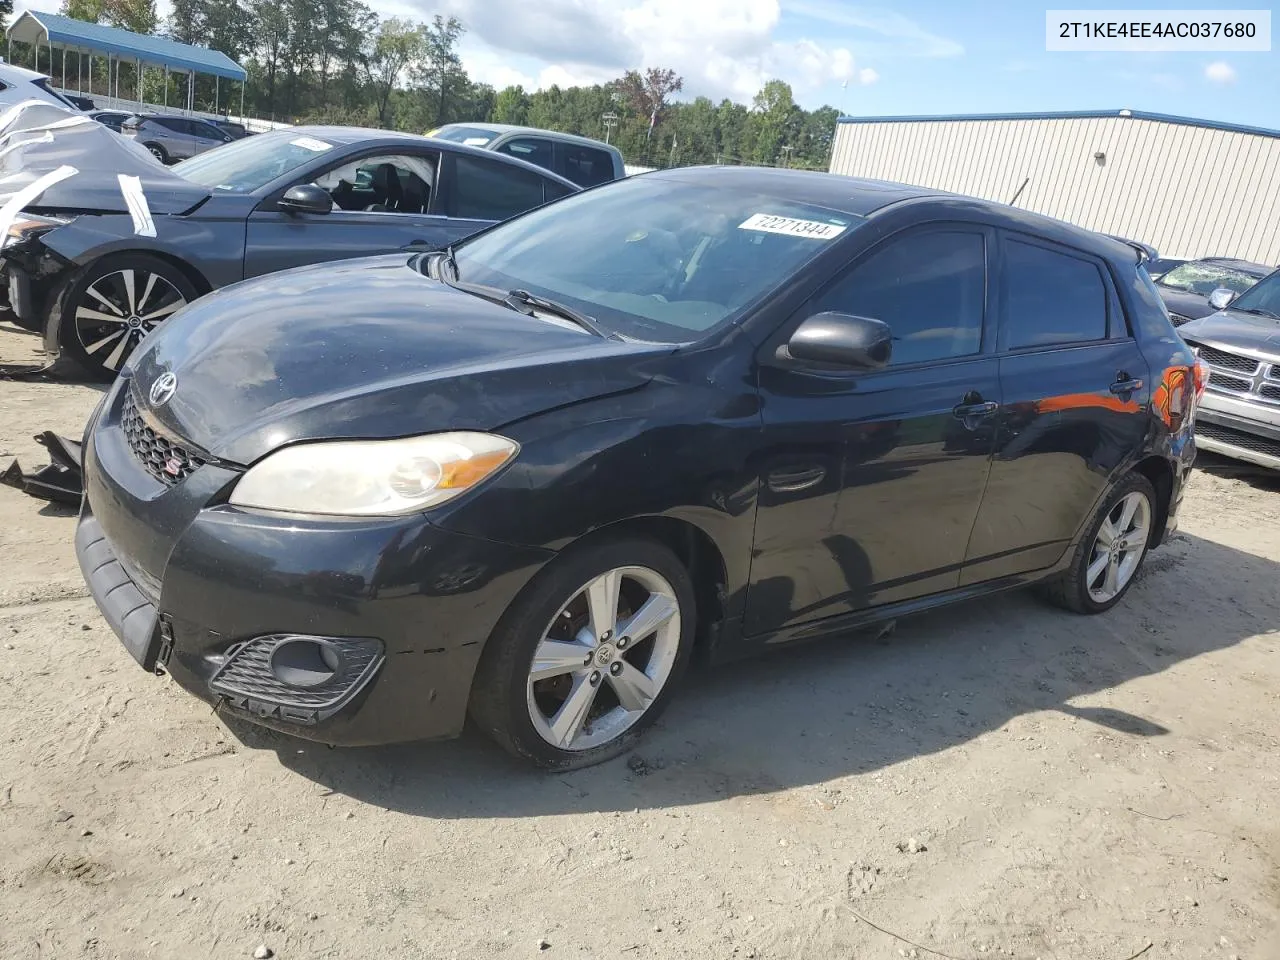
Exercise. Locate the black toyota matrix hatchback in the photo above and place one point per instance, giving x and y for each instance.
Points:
(695, 412)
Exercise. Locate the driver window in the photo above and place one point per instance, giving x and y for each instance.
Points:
(382, 184)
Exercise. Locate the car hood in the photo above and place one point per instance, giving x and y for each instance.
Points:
(1237, 330)
(1185, 303)
(99, 156)
(366, 349)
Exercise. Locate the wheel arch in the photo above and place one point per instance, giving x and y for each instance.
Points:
(1159, 471)
(693, 547)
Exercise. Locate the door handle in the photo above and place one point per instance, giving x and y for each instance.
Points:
(1126, 385)
(975, 411)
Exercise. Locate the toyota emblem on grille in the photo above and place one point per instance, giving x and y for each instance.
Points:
(162, 389)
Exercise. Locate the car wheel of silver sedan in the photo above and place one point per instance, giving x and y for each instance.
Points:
(586, 657)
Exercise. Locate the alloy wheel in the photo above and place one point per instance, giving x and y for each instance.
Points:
(604, 658)
(1118, 547)
(119, 309)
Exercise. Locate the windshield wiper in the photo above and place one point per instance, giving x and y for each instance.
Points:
(522, 301)
(517, 298)
(1259, 311)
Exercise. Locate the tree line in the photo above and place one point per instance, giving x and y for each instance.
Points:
(337, 61)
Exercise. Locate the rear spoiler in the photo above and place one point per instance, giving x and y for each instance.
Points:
(1144, 250)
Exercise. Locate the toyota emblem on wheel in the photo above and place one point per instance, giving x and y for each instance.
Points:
(162, 389)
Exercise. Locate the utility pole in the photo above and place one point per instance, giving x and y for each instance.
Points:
(610, 121)
(672, 161)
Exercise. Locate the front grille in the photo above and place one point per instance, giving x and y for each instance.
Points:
(1238, 438)
(247, 681)
(1269, 392)
(1225, 381)
(1229, 361)
(1178, 319)
(168, 462)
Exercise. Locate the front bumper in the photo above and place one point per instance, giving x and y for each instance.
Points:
(191, 585)
(1240, 429)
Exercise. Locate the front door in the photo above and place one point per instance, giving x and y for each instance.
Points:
(382, 204)
(870, 481)
(1076, 392)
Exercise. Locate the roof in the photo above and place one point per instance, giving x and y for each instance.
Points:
(51, 28)
(500, 128)
(853, 195)
(1076, 115)
(21, 73)
(862, 197)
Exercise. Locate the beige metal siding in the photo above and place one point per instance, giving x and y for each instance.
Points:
(1188, 191)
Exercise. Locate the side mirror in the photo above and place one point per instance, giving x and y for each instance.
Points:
(842, 339)
(1221, 298)
(306, 198)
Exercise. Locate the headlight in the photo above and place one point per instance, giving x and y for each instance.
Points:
(28, 225)
(373, 478)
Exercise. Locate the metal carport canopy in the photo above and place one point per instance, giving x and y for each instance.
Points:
(49, 29)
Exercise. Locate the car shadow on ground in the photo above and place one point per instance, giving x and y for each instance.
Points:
(839, 707)
(1229, 468)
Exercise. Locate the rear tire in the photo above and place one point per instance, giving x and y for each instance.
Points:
(104, 310)
(1100, 574)
(619, 686)
(159, 152)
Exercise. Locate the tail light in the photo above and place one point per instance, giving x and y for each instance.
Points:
(1200, 374)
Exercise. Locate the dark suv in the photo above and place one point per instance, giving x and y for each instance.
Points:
(706, 409)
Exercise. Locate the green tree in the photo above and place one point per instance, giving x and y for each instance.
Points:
(774, 113)
(511, 105)
(390, 55)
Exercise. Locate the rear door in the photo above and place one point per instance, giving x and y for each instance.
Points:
(177, 137)
(871, 480)
(1076, 390)
(383, 202)
(479, 191)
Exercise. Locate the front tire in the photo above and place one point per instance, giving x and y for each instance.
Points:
(104, 310)
(587, 657)
(1107, 559)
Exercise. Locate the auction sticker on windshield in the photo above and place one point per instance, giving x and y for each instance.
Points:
(311, 143)
(791, 227)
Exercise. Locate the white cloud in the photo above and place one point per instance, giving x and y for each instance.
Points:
(1220, 72)
(722, 48)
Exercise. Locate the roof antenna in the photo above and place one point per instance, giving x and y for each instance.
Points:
(1019, 192)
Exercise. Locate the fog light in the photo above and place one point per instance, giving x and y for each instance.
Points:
(305, 661)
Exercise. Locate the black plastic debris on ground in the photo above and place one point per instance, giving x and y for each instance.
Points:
(60, 481)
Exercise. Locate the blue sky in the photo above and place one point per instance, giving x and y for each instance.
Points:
(912, 57)
(999, 64)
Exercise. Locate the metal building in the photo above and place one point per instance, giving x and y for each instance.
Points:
(1190, 188)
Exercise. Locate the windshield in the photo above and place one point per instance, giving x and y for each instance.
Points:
(471, 136)
(1203, 278)
(250, 164)
(1263, 297)
(653, 259)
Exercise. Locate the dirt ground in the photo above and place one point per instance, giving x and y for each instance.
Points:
(998, 780)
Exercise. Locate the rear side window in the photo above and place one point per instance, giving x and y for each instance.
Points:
(1051, 298)
(492, 190)
(554, 191)
(173, 124)
(530, 149)
(930, 288)
(585, 166)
